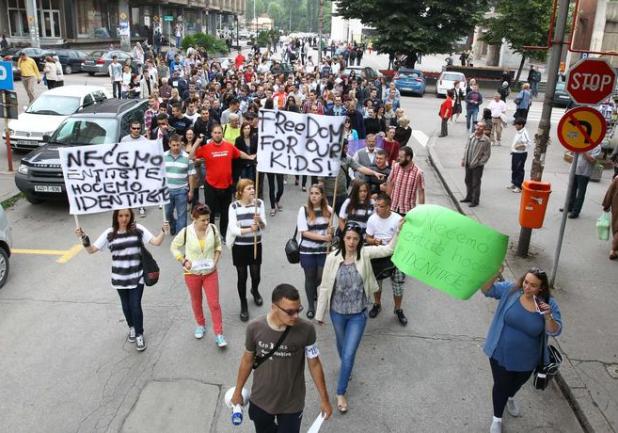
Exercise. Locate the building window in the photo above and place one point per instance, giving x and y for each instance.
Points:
(97, 19)
(49, 18)
(18, 18)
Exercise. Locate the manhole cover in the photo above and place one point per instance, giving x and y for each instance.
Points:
(613, 370)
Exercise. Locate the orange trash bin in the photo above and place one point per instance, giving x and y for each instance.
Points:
(533, 204)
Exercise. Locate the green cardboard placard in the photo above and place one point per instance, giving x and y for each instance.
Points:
(448, 251)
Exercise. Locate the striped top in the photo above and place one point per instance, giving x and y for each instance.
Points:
(241, 217)
(126, 256)
(319, 225)
(359, 215)
(178, 169)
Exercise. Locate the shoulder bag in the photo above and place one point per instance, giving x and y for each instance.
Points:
(543, 373)
(258, 360)
(150, 267)
(292, 248)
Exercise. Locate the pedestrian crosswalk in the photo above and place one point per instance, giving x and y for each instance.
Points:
(534, 114)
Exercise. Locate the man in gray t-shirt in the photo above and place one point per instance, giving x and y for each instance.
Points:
(583, 171)
(278, 391)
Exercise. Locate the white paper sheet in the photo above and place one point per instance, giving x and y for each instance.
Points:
(315, 427)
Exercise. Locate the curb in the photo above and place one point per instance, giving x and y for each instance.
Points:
(567, 391)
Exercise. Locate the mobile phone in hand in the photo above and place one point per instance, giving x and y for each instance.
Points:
(537, 303)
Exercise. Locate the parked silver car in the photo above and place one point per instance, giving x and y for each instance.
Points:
(98, 61)
(5, 247)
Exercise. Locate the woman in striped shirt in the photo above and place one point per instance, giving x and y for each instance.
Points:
(358, 207)
(124, 240)
(313, 224)
(245, 226)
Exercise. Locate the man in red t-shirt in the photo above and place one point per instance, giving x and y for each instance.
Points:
(218, 155)
(239, 60)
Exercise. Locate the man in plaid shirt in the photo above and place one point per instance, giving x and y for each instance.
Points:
(150, 114)
(406, 183)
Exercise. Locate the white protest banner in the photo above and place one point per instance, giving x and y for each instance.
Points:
(293, 143)
(105, 177)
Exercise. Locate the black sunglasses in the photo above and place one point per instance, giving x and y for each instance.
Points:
(133, 128)
(291, 313)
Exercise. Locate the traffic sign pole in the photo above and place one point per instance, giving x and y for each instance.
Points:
(565, 211)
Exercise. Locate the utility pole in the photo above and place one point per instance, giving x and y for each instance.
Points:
(542, 135)
(33, 23)
(320, 27)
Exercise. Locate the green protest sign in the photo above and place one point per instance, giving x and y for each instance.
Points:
(448, 251)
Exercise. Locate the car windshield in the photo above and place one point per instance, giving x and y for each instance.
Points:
(54, 105)
(453, 77)
(96, 53)
(409, 74)
(75, 132)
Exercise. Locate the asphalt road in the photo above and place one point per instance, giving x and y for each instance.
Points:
(66, 367)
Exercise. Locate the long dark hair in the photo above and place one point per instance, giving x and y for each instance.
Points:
(323, 204)
(356, 229)
(115, 226)
(355, 202)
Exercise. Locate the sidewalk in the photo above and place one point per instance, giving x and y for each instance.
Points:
(586, 282)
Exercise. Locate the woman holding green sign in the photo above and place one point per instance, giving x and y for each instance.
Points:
(348, 283)
(525, 313)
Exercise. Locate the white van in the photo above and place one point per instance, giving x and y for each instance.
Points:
(447, 81)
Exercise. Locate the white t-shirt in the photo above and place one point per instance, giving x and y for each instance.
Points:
(383, 228)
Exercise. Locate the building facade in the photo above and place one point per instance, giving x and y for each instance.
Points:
(98, 22)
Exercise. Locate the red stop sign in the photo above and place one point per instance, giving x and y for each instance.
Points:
(590, 81)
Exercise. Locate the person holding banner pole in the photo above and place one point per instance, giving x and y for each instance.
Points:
(526, 312)
(313, 224)
(247, 219)
(124, 240)
(347, 284)
(202, 250)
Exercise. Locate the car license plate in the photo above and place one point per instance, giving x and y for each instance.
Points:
(26, 143)
(47, 188)
(407, 89)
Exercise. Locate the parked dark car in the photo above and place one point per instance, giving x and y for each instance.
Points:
(71, 60)
(97, 62)
(39, 176)
(561, 97)
(37, 54)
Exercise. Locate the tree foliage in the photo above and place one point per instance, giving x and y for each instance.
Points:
(520, 23)
(210, 43)
(291, 15)
(415, 26)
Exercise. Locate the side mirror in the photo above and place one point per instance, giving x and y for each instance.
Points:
(46, 138)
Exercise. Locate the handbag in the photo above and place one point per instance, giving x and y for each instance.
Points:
(150, 267)
(543, 373)
(259, 360)
(603, 226)
(382, 268)
(292, 249)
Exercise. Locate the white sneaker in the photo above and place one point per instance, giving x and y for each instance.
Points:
(511, 186)
(496, 427)
(516, 190)
(220, 340)
(131, 336)
(512, 407)
(199, 332)
(140, 343)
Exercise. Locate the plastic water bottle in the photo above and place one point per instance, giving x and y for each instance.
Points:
(237, 414)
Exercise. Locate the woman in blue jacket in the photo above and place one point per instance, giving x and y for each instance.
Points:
(525, 311)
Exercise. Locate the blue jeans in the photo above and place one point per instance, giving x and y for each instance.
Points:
(471, 116)
(349, 330)
(178, 201)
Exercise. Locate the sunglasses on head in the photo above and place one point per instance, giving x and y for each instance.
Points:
(537, 272)
(291, 313)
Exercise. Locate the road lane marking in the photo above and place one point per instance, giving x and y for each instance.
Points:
(65, 255)
(421, 137)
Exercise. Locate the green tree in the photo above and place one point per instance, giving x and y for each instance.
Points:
(521, 24)
(415, 27)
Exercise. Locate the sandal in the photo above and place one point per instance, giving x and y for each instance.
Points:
(273, 212)
(613, 255)
(342, 404)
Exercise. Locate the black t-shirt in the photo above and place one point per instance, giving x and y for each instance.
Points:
(180, 125)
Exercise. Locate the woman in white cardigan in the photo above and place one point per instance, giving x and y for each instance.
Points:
(246, 220)
(348, 283)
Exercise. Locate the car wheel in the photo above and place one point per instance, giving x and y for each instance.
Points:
(91, 74)
(33, 200)
(4, 266)
(68, 70)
